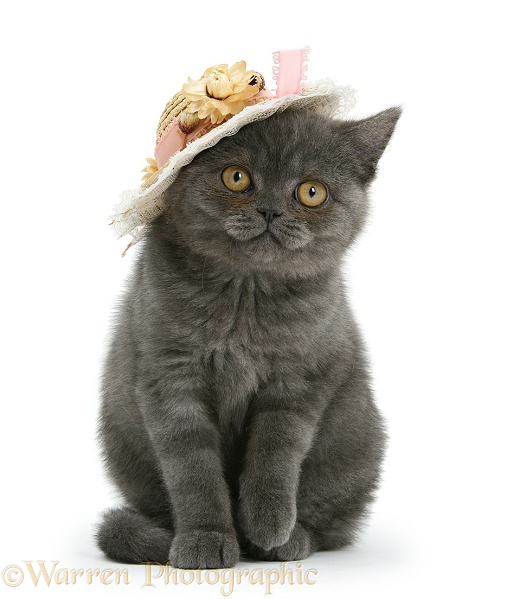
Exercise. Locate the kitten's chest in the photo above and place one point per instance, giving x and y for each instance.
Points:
(239, 335)
(250, 331)
(247, 318)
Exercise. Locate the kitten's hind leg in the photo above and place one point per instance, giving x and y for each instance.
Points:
(336, 521)
(126, 536)
(341, 473)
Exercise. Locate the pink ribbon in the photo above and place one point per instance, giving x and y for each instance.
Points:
(289, 70)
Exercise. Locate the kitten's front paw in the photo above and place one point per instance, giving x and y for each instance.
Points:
(298, 547)
(200, 549)
(267, 521)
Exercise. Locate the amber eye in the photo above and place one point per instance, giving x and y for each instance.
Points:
(311, 193)
(236, 178)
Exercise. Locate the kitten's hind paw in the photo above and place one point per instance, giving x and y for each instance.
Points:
(127, 536)
(204, 549)
(298, 547)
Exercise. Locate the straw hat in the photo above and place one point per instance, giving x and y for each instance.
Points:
(218, 104)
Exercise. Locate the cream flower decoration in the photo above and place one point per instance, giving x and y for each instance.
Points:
(222, 91)
(149, 170)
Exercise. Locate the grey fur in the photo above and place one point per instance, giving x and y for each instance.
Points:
(236, 410)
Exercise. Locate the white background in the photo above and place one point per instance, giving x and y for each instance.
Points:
(83, 85)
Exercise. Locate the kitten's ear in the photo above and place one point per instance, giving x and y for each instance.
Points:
(369, 138)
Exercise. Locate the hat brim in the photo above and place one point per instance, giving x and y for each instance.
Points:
(138, 207)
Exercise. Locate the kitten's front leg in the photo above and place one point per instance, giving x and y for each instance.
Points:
(188, 448)
(281, 431)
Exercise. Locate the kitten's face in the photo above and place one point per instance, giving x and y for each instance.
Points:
(285, 195)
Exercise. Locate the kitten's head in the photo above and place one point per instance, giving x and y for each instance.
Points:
(283, 195)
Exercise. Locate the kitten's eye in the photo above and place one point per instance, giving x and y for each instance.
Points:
(236, 178)
(311, 193)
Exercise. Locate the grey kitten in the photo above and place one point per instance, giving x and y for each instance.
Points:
(237, 415)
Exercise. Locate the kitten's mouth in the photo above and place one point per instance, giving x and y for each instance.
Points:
(266, 240)
(267, 236)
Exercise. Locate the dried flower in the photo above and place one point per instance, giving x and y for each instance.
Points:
(222, 91)
(149, 170)
(187, 121)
